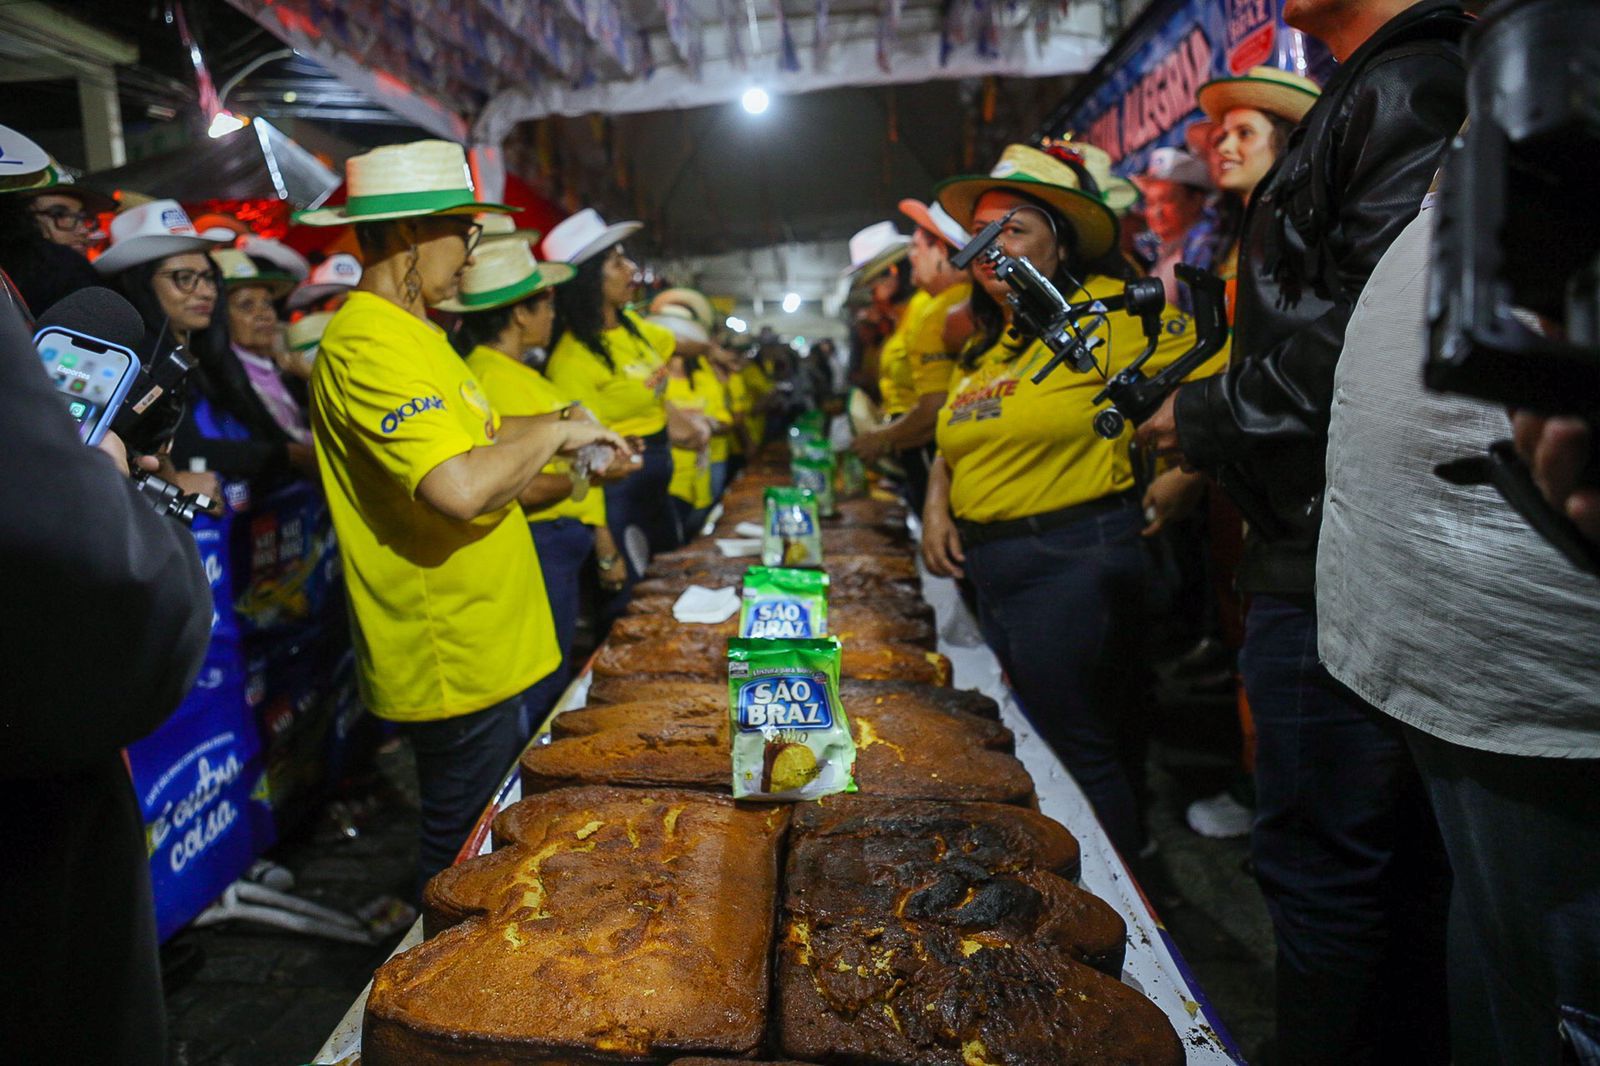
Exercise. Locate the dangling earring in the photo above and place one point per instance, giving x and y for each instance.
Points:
(413, 281)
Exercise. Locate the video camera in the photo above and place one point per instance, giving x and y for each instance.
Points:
(1514, 300)
(1039, 310)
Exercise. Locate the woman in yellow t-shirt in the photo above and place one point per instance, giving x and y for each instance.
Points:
(507, 309)
(1035, 508)
(615, 364)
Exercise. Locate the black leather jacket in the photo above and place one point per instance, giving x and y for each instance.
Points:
(1353, 175)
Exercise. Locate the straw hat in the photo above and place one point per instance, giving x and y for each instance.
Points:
(277, 253)
(501, 228)
(1268, 89)
(149, 232)
(681, 322)
(584, 235)
(503, 272)
(874, 250)
(1175, 165)
(937, 221)
(239, 271)
(405, 181)
(306, 333)
(23, 164)
(698, 306)
(1025, 169)
(55, 182)
(1120, 194)
(338, 273)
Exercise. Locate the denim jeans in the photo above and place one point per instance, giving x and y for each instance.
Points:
(1062, 611)
(1524, 837)
(564, 546)
(641, 500)
(1348, 856)
(460, 762)
(719, 480)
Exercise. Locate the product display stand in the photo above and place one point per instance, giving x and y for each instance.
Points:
(1152, 964)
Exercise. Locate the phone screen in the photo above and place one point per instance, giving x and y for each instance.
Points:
(93, 376)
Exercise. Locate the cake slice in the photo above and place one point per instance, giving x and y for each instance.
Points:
(848, 621)
(691, 654)
(854, 693)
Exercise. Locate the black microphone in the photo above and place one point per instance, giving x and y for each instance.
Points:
(99, 313)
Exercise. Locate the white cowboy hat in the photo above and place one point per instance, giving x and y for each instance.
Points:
(277, 253)
(503, 272)
(698, 306)
(583, 235)
(338, 273)
(306, 333)
(501, 228)
(149, 232)
(937, 221)
(238, 271)
(874, 249)
(23, 164)
(1034, 172)
(680, 320)
(405, 181)
(1174, 164)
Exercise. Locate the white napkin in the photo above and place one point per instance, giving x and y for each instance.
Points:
(748, 529)
(739, 548)
(706, 606)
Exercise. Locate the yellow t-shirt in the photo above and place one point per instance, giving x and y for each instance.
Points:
(1017, 449)
(450, 617)
(514, 388)
(738, 407)
(691, 470)
(627, 397)
(758, 386)
(926, 355)
(721, 409)
(895, 379)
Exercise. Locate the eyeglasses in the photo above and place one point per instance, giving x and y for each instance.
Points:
(186, 281)
(66, 217)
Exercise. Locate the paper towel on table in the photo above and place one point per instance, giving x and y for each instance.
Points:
(748, 529)
(732, 548)
(706, 606)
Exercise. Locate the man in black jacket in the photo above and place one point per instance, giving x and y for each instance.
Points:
(1344, 845)
(104, 622)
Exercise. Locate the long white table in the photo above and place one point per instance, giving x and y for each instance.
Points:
(1152, 963)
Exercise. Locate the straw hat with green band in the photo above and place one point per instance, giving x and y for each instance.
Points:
(1267, 89)
(405, 181)
(238, 271)
(1029, 171)
(305, 333)
(503, 272)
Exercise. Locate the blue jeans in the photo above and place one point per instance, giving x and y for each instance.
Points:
(1348, 856)
(641, 500)
(1062, 611)
(564, 545)
(460, 762)
(719, 480)
(1524, 837)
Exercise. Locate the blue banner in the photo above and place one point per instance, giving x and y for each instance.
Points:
(1141, 96)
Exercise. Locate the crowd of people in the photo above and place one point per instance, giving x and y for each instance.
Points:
(506, 430)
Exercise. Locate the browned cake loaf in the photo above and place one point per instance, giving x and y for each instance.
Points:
(847, 621)
(850, 540)
(893, 601)
(746, 1062)
(974, 867)
(868, 512)
(849, 576)
(853, 693)
(703, 654)
(621, 927)
(901, 750)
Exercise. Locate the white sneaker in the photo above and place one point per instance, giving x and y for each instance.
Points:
(1219, 817)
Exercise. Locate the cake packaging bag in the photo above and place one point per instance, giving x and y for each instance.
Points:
(791, 739)
(784, 604)
(816, 477)
(790, 535)
(852, 476)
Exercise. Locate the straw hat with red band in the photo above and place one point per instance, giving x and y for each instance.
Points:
(399, 181)
(502, 273)
(1267, 89)
(149, 232)
(1120, 194)
(1027, 170)
(937, 221)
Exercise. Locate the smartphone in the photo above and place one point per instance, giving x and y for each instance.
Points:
(92, 375)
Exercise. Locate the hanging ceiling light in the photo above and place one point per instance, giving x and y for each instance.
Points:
(791, 303)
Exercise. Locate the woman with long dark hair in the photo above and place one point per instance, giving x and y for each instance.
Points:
(1030, 504)
(45, 234)
(615, 364)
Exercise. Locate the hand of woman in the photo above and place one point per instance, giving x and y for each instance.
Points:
(608, 560)
(941, 543)
(1171, 497)
(579, 433)
(870, 446)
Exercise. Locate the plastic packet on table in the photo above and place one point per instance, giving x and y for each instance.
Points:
(785, 604)
(791, 535)
(789, 734)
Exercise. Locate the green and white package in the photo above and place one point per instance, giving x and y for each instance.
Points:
(791, 739)
(852, 476)
(790, 535)
(784, 604)
(816, 477)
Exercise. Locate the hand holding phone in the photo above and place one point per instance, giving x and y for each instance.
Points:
(93, 376)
